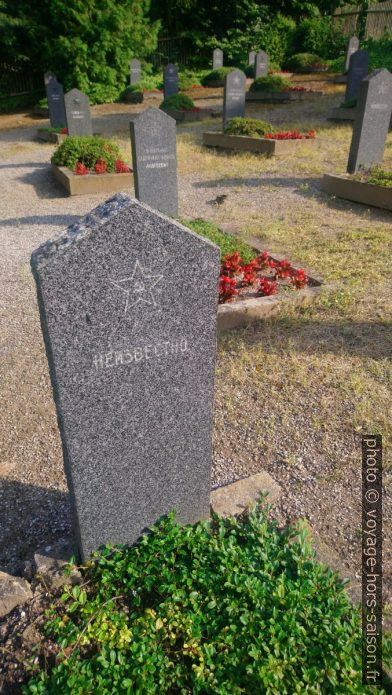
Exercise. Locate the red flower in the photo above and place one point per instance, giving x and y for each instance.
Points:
(249, 273)
(231, 264)
(262, 260)
(267, 287)
(81, 169)
(284, 269)
(227, 288)
(101, 167)
(121, 168)
(288, 135)
(64, 131)
(299, 278)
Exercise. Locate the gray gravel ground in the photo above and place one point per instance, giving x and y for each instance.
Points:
(33, 500)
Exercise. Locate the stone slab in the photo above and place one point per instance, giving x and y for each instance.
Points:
(358, 191)
(135, 71)
(278, 148)
(48, 136)
(50, 563)
(352, 47)
(234, 95)
(340, 79)
(188, 116)
(77, 109)
(357, 71)
(261, 64)
(13, 592)
(170, 80)
(342, 114)
(55, 97)
(217, 58)
(128, 305)
(280, 96)
(237, 497)
(92, 183)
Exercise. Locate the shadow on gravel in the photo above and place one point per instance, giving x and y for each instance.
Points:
(24, 165)
(65, 220)
(30, 517)
(44, 183)
(302, 335)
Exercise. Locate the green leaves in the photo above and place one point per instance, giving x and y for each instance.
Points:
(87, 149)
(230, 607)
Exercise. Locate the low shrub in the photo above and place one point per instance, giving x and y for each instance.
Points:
(349, 104)
(133, 94)
(270, 83)
(103, 93)
(301, 61)
(216, 76)
(376, 175)
(253, 127)
(225, 607)
(88, 150)
(178, 102)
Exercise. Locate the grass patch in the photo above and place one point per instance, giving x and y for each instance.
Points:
(222, 608)
(227, 243)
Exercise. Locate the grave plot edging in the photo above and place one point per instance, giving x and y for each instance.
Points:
(92, 183)
(249, 144)
(358, 191)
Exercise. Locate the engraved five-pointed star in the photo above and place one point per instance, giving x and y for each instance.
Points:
(138, 287)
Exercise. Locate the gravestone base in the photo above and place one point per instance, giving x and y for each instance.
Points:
(188, 116)
(237, 497)
(280, 96)
(358, 191)
(340, 79)
(271, 148)
(48, 136)
(92, 183)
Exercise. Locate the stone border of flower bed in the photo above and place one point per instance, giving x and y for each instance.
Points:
(248, 144)
(241, 313)
(340, 113)
(188, 116)
(358, 191)
(92, 183)
(49, 136)
(280, 96)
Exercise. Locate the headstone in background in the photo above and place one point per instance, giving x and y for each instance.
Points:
(352, 46)
(135, 71)
(154, 157)
(77, 109)
(234, 95)
(373, 116)
(251, 57)
(261, 64)
(170, 80)
(55, 97)
(217, 58)
(358, 69)
(128, 304)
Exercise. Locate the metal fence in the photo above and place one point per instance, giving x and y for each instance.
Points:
(378, 19)
(172, 50)
(16, 81)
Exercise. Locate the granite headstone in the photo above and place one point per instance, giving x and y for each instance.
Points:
(217, 58)
(135, 71)
(170, 80)
(358, 69)
(77, 109)
(55, 97)
(154, 157)
(372, 119)
(261, 64)
(251, 57)
(352, 46)
(234, 95)
(128, 304)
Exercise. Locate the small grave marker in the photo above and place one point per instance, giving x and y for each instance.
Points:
(77, 109)
(372, 121)
(217, 59)
(170, 80)
(251, 57)
(261, 64)
(352, 46)
(358, 69)
(154, 160)
(55, 96)
(234, 95)
(135, 71)
(128, 304)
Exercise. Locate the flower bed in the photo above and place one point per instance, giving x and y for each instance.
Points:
(277, 88)
(90, 164)
(254, 284)
(369, 188)
(56, 135)
(182, 108)
(244, 134)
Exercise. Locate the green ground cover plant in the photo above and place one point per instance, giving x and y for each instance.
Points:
(270, 83)
(216, 76)
(221, 608)
(133, 94)
(179, 102)
(252, 127)
(299, 62)
(227, 243)
(377, 176)
(87, 149)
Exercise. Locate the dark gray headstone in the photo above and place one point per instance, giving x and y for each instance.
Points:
(251, 57)
(135, 71)
(170, 80)
(77, 109)
(373, 115)
(55, 97)
(217, 58)
(234, 95)
(358, 69)
(128, 303)
(352, 46)
(154, 157)
(261, 64)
